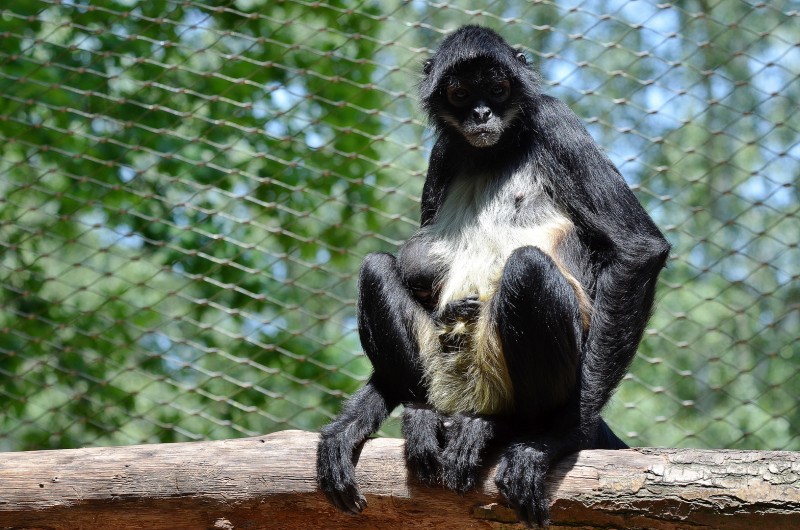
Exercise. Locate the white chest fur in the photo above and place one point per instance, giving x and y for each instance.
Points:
(483, 220)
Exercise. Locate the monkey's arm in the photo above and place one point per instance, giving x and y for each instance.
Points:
(437, 180)
(361, 416)
(385, 312)
(628, 249)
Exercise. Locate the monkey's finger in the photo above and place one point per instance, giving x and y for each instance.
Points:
(336, 500)
(452, 430)
(528, 512)
(542, 514)
(349, 501)
(469, 306)
(356, 502)
(360, 502)
(538, 503)
(524, 517)
(463, 309)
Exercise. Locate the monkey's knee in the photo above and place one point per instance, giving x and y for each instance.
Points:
(532, 281)
(379, 284)
(529, 267)
(376, 267)
(537, 296)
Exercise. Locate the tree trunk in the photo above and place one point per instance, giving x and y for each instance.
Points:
(268, 482)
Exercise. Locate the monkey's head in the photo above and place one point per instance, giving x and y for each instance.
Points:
(477, 85)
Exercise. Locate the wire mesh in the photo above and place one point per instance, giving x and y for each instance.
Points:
(188, 189)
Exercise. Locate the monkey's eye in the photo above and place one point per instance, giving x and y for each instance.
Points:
(458, 96)
(500, 91)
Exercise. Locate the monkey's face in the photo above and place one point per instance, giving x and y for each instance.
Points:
(478, 104)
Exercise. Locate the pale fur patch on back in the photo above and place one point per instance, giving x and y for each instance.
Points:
(480, 224)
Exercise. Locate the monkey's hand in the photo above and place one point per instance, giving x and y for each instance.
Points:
(421, 428)
(336, 475)
(521, 477)
(463, 310)
(466, 437)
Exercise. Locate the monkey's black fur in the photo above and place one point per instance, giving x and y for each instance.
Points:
(515, 310)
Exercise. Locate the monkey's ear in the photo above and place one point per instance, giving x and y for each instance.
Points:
(520, 56)
(427, 66)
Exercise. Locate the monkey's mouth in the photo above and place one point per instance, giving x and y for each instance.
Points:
(482, 135)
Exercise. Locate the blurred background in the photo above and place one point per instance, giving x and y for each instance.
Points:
(187, 190)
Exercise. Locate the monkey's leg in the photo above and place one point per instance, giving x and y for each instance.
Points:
(538, 319)
(361, 416)
(385, 314)
(388, 313)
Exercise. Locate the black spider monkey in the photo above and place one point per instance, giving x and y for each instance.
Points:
(515, 309)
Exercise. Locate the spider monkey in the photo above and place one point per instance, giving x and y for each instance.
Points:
(515, 309)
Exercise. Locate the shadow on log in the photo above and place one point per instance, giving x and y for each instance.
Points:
(268, 482)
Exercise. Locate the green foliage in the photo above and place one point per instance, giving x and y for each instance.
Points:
(170, 217)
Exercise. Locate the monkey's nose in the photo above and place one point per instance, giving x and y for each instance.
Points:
(482, 114)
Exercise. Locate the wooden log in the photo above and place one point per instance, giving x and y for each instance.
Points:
(268, 482)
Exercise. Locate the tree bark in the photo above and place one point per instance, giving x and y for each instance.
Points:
(269, 482)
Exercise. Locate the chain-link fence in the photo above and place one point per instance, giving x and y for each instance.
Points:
(187, 189)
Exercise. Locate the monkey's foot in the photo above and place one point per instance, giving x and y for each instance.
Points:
(465, 439)
(421, 426)
(346, 498)
(425, 466)
(521, 480)
(336, 476)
